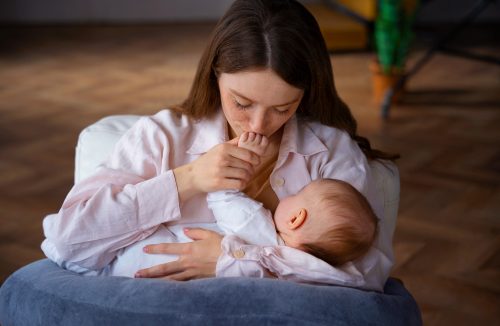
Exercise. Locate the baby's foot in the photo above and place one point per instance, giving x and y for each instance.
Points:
(253, 142)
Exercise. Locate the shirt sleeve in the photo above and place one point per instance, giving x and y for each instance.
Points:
(238, 214)
(242, 259)
(122, 203)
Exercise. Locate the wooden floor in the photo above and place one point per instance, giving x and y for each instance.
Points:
(55, 81)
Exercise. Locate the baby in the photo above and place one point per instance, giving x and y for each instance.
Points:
(328, 219)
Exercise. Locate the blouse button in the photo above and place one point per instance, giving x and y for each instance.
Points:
(279, 182)
(238, 254)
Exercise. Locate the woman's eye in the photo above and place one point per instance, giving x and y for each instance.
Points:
(241, 106)
(281, 111)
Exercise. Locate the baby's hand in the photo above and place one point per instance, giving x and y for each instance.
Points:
(253, 142)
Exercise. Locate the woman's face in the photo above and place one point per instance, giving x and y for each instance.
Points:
(258, 101)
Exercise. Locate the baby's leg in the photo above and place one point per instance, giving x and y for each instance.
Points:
(253, 142)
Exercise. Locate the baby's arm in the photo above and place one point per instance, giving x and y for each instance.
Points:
(287, 263)
(237, 214)
(240, 215)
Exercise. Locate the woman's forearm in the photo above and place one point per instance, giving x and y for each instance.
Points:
(99, 217)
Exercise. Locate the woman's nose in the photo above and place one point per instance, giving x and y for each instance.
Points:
(257, 122)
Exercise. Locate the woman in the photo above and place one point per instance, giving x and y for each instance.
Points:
(265, 70)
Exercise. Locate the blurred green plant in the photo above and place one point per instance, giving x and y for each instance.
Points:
(394, 33)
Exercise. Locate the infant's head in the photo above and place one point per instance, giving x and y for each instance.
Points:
(329, 219)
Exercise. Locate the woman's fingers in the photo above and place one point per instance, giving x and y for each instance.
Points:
(244, 154)
(167, 248)
(233, 141)
(197, 259)
(160, 270)
(200, 234)
(182, 276)
(225, 166)
(237, 184)
(236, 173)
(231, 173)
(239, 164)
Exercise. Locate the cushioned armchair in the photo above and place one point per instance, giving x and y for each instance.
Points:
(44, 294)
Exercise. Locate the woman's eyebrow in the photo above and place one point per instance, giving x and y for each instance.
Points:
(250, 100)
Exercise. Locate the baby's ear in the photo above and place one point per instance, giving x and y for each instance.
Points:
(297, 219)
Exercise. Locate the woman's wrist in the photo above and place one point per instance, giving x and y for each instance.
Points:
(185, 185)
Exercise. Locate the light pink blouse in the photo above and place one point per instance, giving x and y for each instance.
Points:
(135, 191)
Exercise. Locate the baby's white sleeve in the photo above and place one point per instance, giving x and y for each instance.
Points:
(237, 214)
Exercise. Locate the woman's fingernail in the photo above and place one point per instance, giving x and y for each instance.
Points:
(186, 230)
(145, 249)
(137, 275)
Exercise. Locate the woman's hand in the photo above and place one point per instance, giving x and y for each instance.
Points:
(197, 259)
(225, 166)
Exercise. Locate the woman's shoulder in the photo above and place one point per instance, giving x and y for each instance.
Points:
(174, 118)
(164, 126)
(170, 118)
(172, 126)
(336, 142)
(328, 135)
(166, 121)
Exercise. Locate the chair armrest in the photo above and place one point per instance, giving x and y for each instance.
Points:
(96, 142)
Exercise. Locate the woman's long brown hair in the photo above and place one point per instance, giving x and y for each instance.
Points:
(281, 35)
